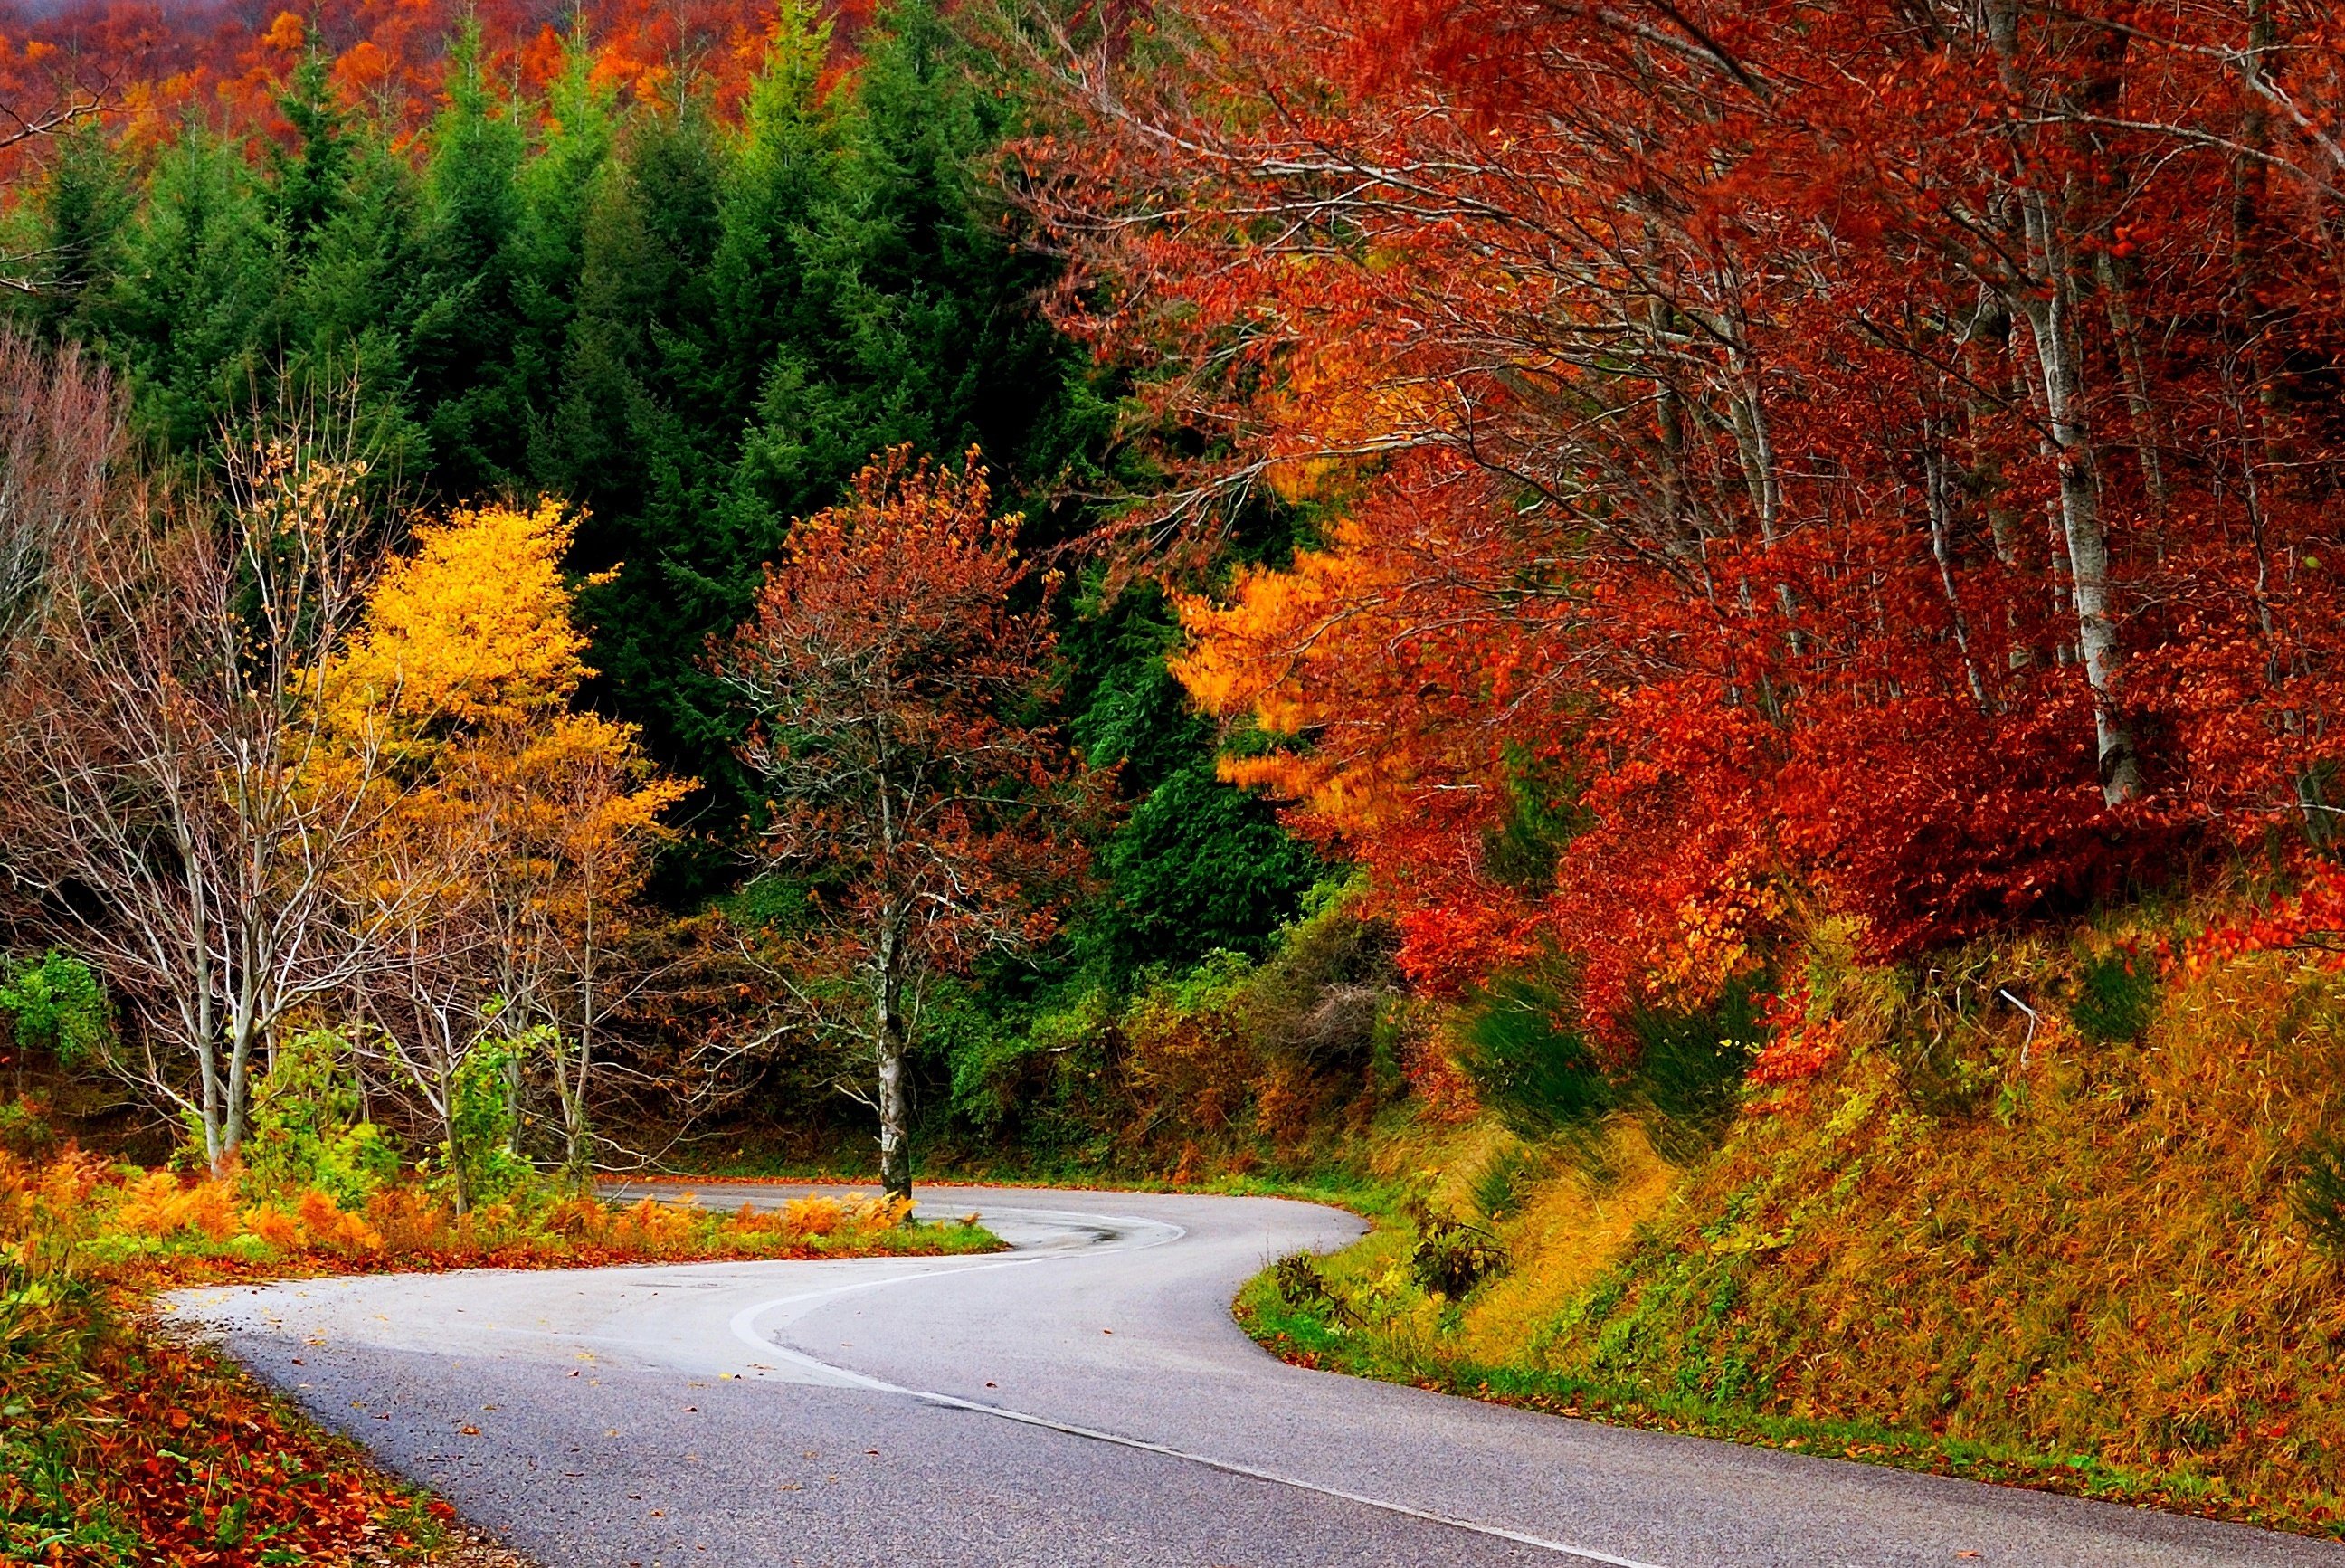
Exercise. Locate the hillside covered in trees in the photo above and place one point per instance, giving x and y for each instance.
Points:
(1629, 623)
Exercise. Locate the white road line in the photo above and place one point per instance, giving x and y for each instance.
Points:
(744, 1330)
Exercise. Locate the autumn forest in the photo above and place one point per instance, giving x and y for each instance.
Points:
(1662, 643)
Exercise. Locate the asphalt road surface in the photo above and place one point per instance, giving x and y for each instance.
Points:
(1082, 1400)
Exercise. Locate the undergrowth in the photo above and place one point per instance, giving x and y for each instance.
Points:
(2052, 1214)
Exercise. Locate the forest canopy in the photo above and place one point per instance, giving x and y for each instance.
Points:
(1594, 491)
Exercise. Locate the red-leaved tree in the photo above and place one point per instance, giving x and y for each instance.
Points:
(1880, 451)
(890, 668)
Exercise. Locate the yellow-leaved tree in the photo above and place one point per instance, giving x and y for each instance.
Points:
(525, 824)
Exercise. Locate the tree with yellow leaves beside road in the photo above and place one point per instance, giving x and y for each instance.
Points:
(522, 823)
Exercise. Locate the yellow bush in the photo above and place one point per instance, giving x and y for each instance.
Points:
(882, 1214)
(580, 1219)
(159, 1206)
(813, 1215)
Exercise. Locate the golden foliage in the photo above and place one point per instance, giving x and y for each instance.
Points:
(472, 627)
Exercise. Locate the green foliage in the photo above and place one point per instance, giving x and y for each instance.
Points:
(55, 1003)
(1196, 866)
(2116, 997)
(2318, 1194)
(999, 1070)
(478, 1160)
(1539, 1073)
(83, 209)
(1543, 815)
(308, 1126)
(193, 312)
(1689, 1068)
(1503, 1179)
(310, 184)
(25, 1130)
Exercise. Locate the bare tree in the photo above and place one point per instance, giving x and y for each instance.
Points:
(61, 437)
(170, 791)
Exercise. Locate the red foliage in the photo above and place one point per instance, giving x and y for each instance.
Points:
(205, 1469)
(1880, 452)
(157, 62)
(2309, 920)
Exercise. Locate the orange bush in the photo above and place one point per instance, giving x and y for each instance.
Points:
(813, 1215)
(273, 1226)
(161, 1205)
(324, 1223)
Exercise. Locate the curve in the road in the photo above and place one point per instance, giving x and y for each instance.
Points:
(1085, 1400)
(744, 1329)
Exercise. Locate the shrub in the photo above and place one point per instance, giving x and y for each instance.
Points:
(2116, 997)
(1451, 1257)
(1539, 1075)
(2318, 1195)
(161, 1205)
(1300, 1283)
(25, 1130)
(307, 1131)
(478, 1159)
(812, 1215)
(55, 1004)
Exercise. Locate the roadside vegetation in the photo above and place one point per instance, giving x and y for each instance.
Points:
(1739, 741)
(2090, 1243)
(122, 1444)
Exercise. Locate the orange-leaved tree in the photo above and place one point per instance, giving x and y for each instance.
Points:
(528, 823)
(1873, 454)
(890, 669)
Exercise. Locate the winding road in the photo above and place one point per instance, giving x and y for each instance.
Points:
(1084, 1399)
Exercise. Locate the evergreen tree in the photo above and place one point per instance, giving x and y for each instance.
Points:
(787, 176)
(929, 327)
(346, 310)
(308, 183)
(83, 208)
(461, 348)
(193, 313)
(558, 183)
(1196, 864)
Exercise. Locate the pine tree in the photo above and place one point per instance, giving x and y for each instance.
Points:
(348, 302)
(787, 181)
(309, 182)
(193, 315)
(558, 183)
(461, 352)
(83, 209)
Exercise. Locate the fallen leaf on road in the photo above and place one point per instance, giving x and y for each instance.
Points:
(470, 1430)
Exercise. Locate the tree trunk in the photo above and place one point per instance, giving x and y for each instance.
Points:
(895, 1100)
(2051, 323)
(2048, 301)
